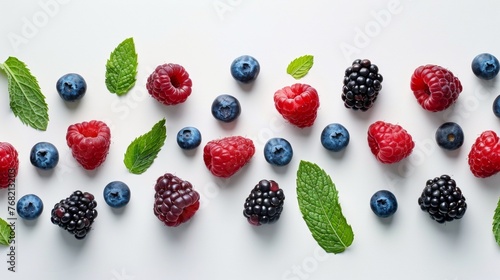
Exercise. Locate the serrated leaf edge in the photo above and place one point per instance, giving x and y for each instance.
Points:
(300, 66)
(3, 237)
(496, 223)
(110, 64)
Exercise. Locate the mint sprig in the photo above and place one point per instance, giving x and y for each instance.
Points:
(121, 68)
(319, 204)
(5, 232)
(26, 99)
(300, 66)
(496, 223)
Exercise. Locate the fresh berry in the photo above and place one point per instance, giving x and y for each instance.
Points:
(442, 199)
(264, 204)
(175, 200)
(169, 84)
(76, 213)
(89, 143)
(496, 106)
(435, 87)
(44, 155)
(278, 151)
(485, 66)
(188, 138)
(225, 156)
(298, 104)
(383, 203)
(362, 84)
(226, 108)
(449, 136)
(484, 156)
(245, 69)
(29, 207)
(9, 165)
(389, 143)
(71, 87)
(334, 137)
(116, 194)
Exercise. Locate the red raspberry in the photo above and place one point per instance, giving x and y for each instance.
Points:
(89, 143)
(435, 87)
(224, 157)
(9, 164)
(389, 143)
(298, 104)
(484, 156)
(169, 84)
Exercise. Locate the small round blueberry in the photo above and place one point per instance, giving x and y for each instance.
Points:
(496, 106)
(383, 203)
(278, 151)
(189, 138)
(29, 207)
(449, 136)
(71, 87)
(485, 66)
(245, 69)
(44, 155)
(116, 194)
(226, 108)
(335, 137)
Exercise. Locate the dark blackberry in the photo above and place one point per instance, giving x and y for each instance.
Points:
(264, 204)
(362, 84)
(442, 199)
(75, 213)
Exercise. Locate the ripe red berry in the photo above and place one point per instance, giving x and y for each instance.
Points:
(224, 157)
(169, 84)
(9, 164)
(89, 143)
(389, 143)
(484, 156)
(298, 104)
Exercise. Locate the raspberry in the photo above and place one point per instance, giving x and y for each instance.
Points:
(362, 84)
(264, 204)
(175, 200)
(298, 104)
(435, 87)
(89, 143)
(169, 84)
(9, 164)
(389, 143)
(484, 156)
(225, 156)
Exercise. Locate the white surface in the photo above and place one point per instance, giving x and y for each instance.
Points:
(204, 37)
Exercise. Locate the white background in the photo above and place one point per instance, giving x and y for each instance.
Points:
(57, 37)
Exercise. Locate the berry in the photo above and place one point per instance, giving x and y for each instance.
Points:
(334, 137)
(496, 106)
(264, 204)
(225, 156)
(389, 143)
(9, 165)
(175, 200)
(484, 156)
(29, 207)
(76, 213)
(116, 194)
(435, 87)
(169, 84)
(44, 155)
(226, 108)
(362, 84)
(485, 66)
(89, 143)
(189, 138)
(71, 87)
(298, 104)
(278, 151)
(449, 136)
(442, 199)
(245, 69)
(383, 203)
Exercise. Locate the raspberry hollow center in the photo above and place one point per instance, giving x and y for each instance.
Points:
(174, 81)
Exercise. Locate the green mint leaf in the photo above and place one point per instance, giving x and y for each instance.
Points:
(142, 152)
(320, 208)
(300, 66)
(496, 223)
(5, 232)
(121, 68)
(26, 99)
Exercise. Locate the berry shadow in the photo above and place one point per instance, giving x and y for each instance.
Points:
(172, 112)
(71, 105)
(281, 170)
(190, 153)
(30, 224)
(45, 173)
(450, 230)
(227, 126)
(246, 87)
(386, 221)
(118, 211)
(75, 245)
(454, 154)
(363, 116)
(336, 155)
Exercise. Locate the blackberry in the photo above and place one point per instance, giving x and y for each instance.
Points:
(362, 84)
(442, 199)
(75, 213)
(264, 204)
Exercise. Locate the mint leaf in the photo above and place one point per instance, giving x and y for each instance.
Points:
(496, 223)
(121, 68)
(26, 99)
(320, 207)
(5, 232)
(142, 152)
(300, 66)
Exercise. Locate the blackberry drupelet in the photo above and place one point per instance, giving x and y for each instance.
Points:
(442, 199)
(75, 213)
(362, 84)
(264, 204)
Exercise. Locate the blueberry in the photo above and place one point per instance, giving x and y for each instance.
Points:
(29, 207)
(278, 151)
(449, 136)
(188, 138)
(383, 203)
(496, 106)
(44, 155)
(116, 194)
(71, 87)
(335, 137)
(245, 69)
(485, 66)
(226, 108)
